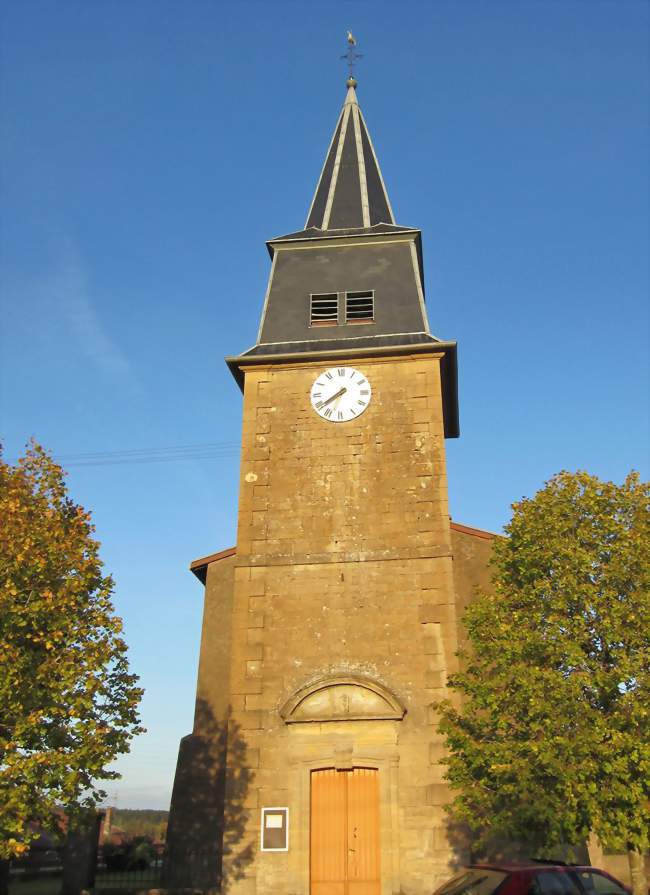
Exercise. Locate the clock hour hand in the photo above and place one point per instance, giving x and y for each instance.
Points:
(338, 394)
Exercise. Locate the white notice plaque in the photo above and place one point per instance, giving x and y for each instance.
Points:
(275, 829)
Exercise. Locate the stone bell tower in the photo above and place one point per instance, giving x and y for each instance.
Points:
(330, 628)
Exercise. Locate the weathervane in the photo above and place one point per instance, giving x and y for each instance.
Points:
(351, 58)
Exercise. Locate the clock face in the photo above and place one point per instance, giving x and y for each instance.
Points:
(340, 394)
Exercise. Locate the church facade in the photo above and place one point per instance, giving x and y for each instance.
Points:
(330, 628)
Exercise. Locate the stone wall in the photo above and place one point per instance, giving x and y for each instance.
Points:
(471, 549)
(195, 831)
(343, 567)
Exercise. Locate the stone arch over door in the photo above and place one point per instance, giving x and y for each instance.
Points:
(342, 698)
(343, 721)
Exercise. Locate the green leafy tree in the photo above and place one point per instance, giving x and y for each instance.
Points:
(548, 734)
(68, 704)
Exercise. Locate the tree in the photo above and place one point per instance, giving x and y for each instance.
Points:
(548, 734)
(68, 704)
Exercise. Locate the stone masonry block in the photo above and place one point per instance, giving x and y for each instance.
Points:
(434, 679)
(255, 701)
(272, 796)
(254, 587)
(247, 685)
(437, 794)
(253, 758)
(438, 614)
(437, 752)
(250, 720)
(431, 647)
(412, 795)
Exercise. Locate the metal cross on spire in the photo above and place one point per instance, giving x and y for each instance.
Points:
(351, 58)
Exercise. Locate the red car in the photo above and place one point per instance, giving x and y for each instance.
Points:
(535, 878)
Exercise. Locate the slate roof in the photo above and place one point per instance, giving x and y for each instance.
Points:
(332, 233)
(399, 339)
(351, 191)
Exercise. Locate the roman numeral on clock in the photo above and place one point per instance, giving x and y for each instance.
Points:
(336, 401)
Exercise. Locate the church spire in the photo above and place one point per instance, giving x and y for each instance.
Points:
(351, 283)
(350, 191)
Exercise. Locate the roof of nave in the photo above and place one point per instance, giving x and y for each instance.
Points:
(200, 566)
(474, 532)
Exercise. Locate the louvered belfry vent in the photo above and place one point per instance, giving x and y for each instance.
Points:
(359, 307)
(324, 310)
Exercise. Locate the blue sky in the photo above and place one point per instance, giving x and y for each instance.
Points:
(150, 148)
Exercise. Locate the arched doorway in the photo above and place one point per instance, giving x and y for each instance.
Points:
(343, 733)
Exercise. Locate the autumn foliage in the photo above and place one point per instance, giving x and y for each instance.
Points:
(550, 738)
(68, 704)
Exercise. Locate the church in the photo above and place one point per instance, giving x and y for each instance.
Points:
(329, 630)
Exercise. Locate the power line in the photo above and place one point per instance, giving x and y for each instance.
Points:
(215, 450)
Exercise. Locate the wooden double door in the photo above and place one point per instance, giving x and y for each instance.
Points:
(344, 832)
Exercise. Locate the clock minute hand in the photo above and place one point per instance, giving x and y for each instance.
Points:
(338, 394)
